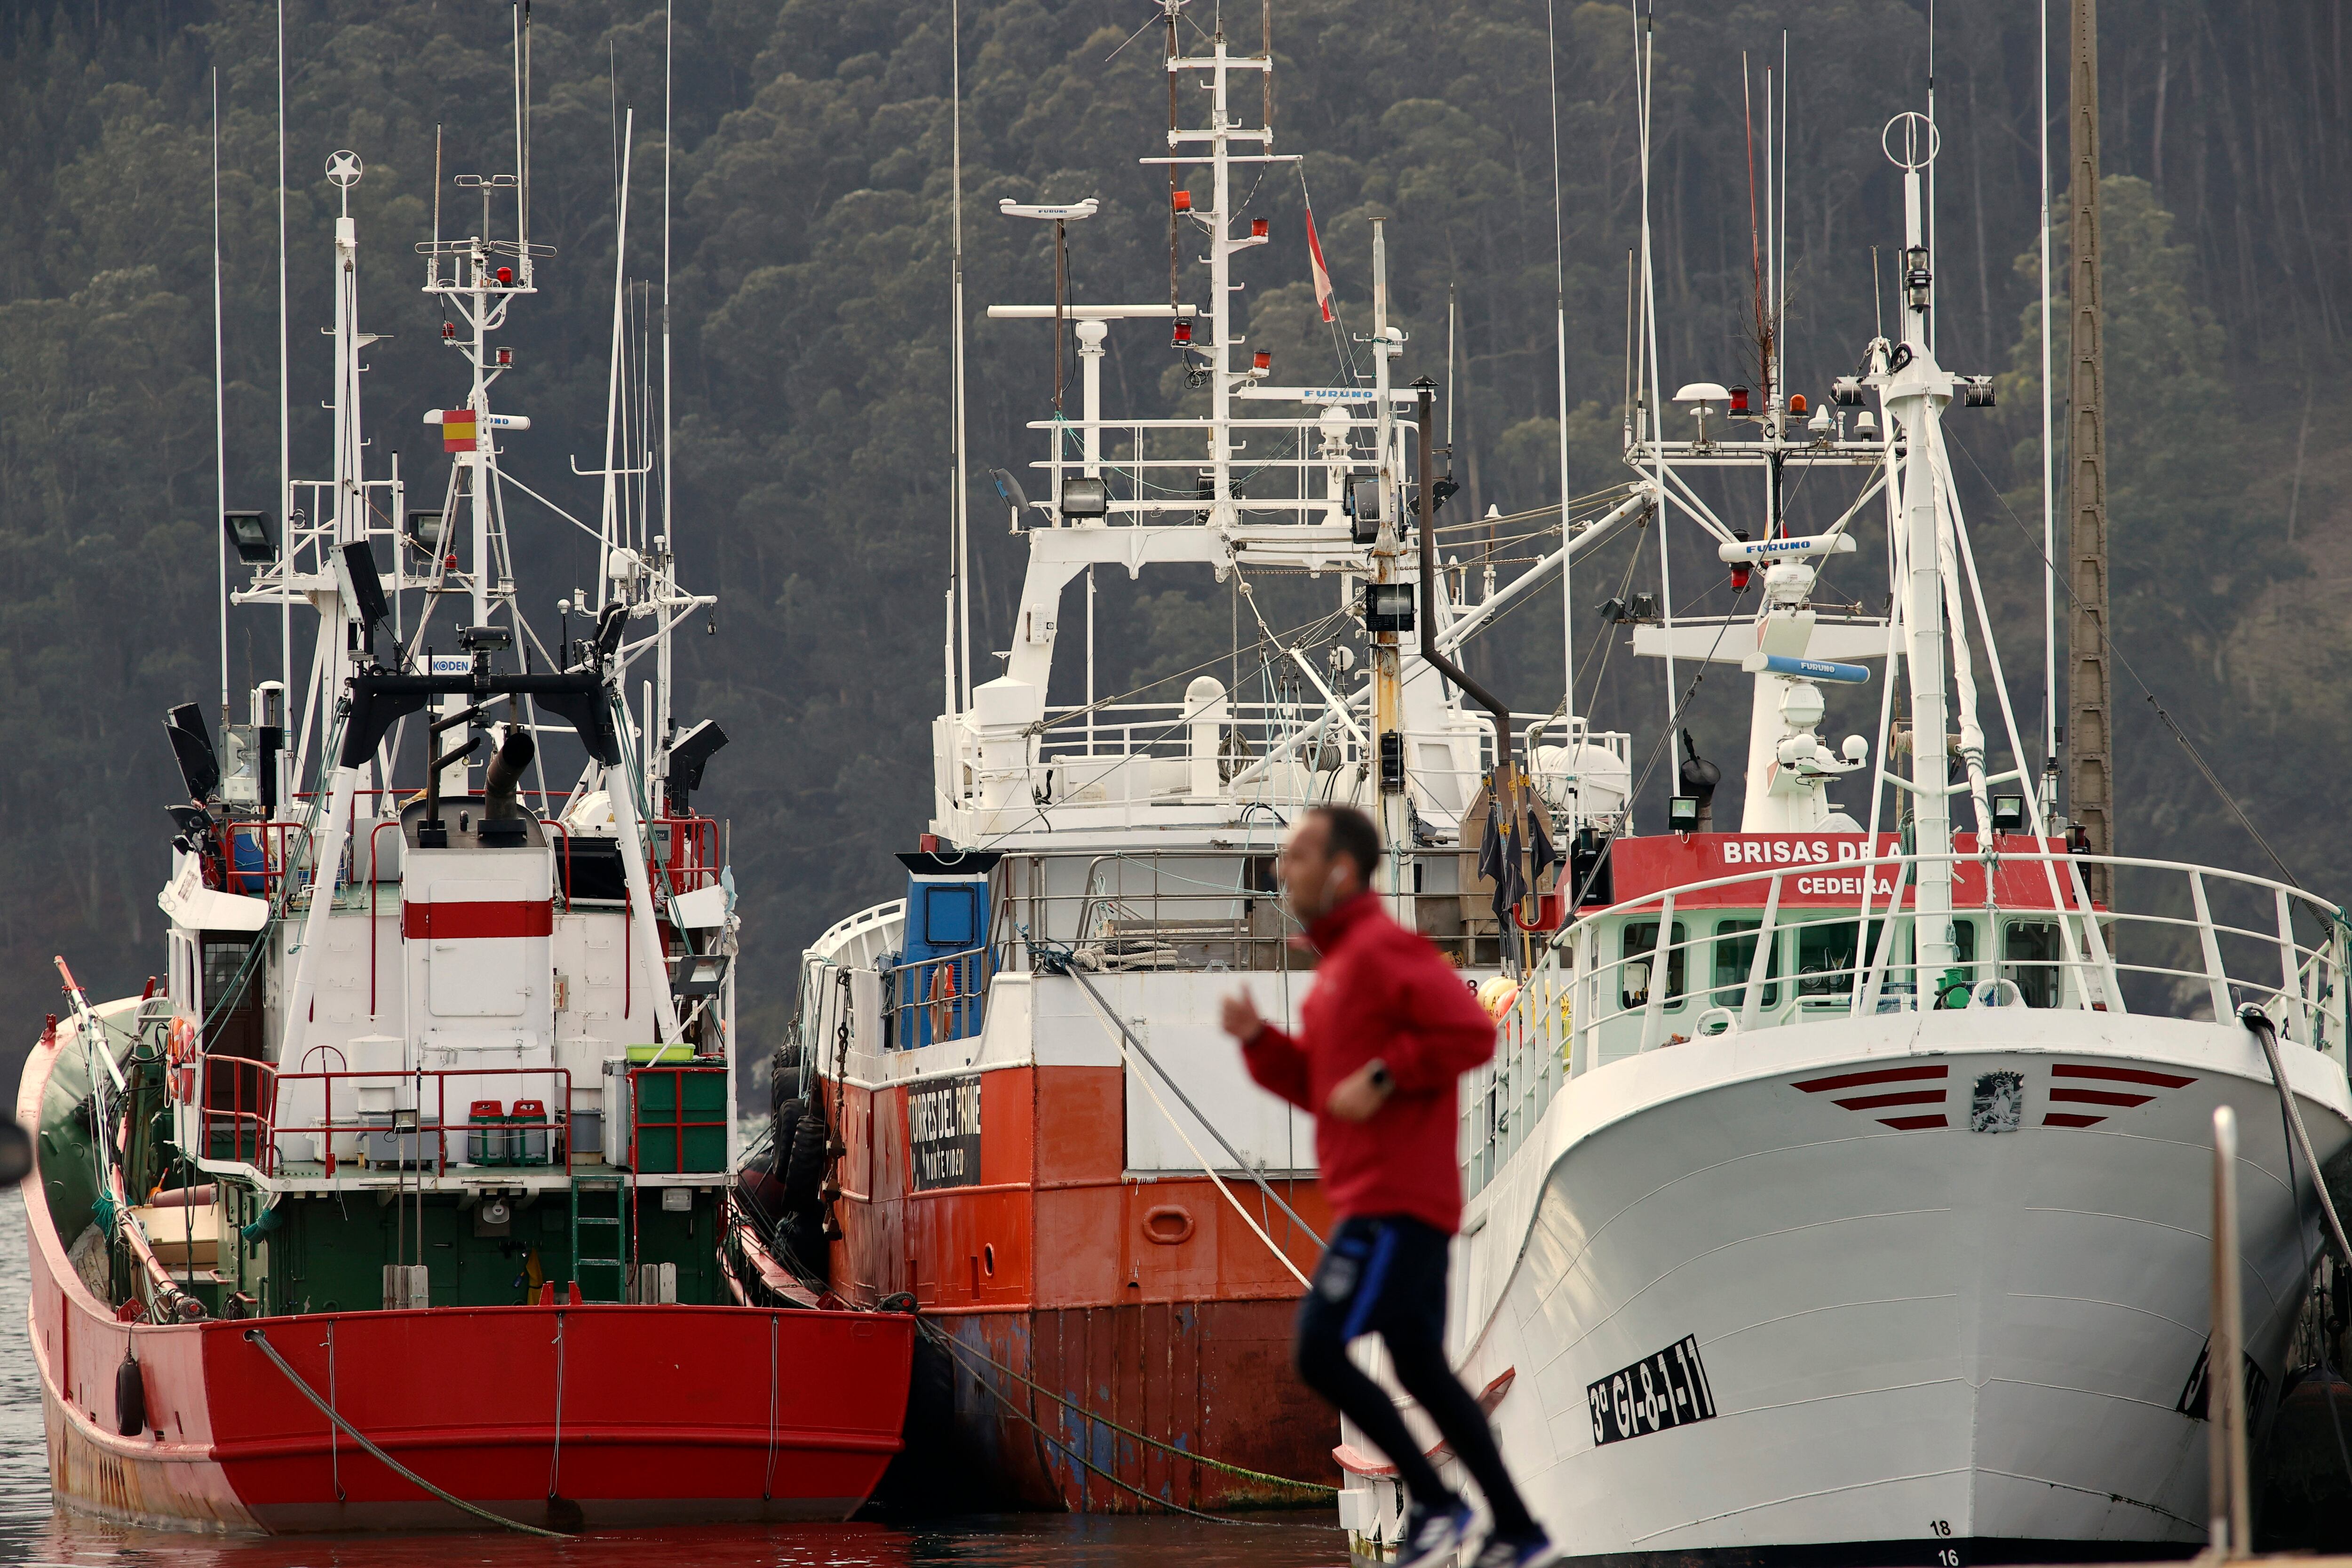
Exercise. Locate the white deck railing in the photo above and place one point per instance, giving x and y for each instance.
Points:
(1578, 1007)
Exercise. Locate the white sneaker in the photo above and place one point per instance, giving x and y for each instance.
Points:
(1431, 1537)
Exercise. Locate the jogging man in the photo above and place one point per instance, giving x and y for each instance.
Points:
(1385, 1032)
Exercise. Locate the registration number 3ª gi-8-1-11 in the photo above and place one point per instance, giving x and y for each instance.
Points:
(1655, 1393)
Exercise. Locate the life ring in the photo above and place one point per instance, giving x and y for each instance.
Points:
(942, 999)
(180, 1056)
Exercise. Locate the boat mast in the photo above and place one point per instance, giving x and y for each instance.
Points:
(1559, 349)
(959, 518)
(1388, 686)
(331, 668)
(662, 675)
(2091, 785)
(1221, 295)
(220, 417)
(285, 419)
(1916, 390)
(2048, 787)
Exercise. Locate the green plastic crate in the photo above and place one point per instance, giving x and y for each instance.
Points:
(680, 1119)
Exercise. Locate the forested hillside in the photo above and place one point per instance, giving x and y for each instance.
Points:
(812, 238)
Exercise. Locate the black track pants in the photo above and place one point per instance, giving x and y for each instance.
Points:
(1386, 1276)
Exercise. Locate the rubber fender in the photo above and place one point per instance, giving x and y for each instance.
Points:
(784, 1073)
(805, 1171)
(129, 1399)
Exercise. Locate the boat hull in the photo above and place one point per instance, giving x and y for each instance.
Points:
(1209, 1378)
(1081, 1299)
(1773, 1294)
(560, 1416)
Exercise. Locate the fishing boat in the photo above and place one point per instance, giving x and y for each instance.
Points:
(396, 1201)
(1006, 1096)
(1841, 1193)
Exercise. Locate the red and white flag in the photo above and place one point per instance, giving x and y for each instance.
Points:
(1314, 260)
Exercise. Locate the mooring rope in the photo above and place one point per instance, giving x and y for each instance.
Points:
(256, 1336)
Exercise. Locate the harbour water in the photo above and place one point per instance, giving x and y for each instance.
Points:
(34, 1532)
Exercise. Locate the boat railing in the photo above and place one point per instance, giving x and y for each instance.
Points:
(254, 1128)
(687, 852)
(1277, 753)
(257, 857)
(930, 1001)
(1771, 962)
(1168, 909)
(1159, 469)
(1212, 909)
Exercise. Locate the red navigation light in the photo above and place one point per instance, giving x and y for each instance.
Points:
(1181, 201)
(1257, 228)
(1796, 403)
(506, 357)
(1740, 402)
(505, 277)
(1183, 333)
(1262, 360)
(449, 563)
(449, 329)
(1740, 578)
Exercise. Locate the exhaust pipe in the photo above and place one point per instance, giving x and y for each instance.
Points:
(504, 779)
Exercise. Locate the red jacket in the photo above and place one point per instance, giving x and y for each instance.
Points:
(1381, 991)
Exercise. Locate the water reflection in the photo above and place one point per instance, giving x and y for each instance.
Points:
(1050, 1540)
(32, 1533)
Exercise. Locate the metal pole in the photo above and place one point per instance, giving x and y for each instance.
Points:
(2049, 470)
(2090, 694)
(220, 416)
(961, 522)
(1910, 400)
(2225, 1386)
(1220, 386)
(1387, 687)
(285, 412)
(1060, 274)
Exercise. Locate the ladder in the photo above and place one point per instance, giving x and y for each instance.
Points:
(599, 1237)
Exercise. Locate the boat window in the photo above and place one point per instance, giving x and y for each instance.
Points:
(1641, 944)
(1734, 954)
(1826, 958)
(2030, 952)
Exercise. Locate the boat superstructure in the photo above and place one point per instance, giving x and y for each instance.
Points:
(397, 1198)
(1006, 1095)
(1841, 1190)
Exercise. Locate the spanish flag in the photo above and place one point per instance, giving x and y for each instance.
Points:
(1314, 263)
(457, 429)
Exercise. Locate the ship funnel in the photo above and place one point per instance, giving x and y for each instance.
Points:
(504, 775)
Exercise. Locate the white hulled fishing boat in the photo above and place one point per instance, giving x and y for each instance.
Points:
(1841, 1192)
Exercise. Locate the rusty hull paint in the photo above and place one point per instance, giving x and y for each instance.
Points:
(1144, 1301)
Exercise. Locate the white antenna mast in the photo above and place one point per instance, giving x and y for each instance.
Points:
(220, 416)
(609, 525)
(285, 404)
(1644, 60)
(2049, 786)
(960, 522)
(1928, 232)
(667, 529)
(1559, 278)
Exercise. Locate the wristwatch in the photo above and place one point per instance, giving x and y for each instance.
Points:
(1381, 1076)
